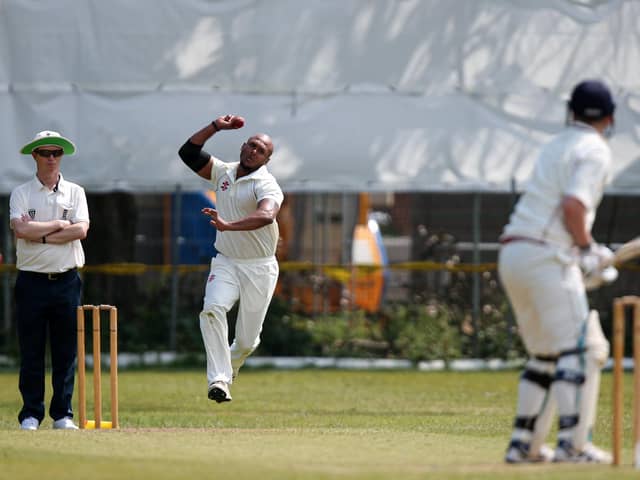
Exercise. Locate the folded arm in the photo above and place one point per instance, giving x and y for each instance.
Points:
(75, 231)
(55, 231)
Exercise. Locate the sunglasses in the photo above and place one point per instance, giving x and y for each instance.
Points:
(48, 153)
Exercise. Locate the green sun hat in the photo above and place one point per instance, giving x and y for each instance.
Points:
(48, 137)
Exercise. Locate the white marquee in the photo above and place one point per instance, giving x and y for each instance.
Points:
(359, 95)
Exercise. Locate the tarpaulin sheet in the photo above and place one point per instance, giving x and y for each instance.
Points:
(359, 95)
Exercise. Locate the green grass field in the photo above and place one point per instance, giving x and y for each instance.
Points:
(309, 424)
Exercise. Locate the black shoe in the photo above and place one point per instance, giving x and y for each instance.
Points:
(219, 391)
(519, 452)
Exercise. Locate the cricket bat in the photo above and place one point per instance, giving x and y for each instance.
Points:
(625, 252)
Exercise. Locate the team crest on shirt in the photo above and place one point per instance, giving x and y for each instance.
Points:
(65, 214)
(32, 213)
(225, 185)
(211, 277)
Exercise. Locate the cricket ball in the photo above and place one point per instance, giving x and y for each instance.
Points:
(237, 122)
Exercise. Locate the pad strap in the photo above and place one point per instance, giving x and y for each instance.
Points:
(525, 423)
(546, 358)
(570, 376)
(567, 421)
(542, 379)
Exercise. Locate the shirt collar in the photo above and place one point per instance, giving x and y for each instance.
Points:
(60, 186)
(583, 126)
(262, 172)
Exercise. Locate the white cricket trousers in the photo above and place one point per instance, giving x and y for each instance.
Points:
(249, 282)
(547, 296)
(547, 293)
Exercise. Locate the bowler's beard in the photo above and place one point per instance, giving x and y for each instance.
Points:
(247, 168)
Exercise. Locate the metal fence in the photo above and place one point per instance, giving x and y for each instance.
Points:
(440, 278)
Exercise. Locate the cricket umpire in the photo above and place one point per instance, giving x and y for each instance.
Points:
(547, 251)
(49, 217)
(245, 270)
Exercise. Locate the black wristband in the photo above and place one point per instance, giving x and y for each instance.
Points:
(44, 239)
(215, 126)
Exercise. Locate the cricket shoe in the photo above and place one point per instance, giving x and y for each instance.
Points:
(219, 391)
(30, 423)
(65, 423)
(565, 452)
(518, 452)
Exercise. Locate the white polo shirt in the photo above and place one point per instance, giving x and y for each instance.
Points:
(68, 202)
(235, 199)
(575, 163)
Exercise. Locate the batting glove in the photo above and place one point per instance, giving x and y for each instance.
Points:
(594, 258)
(596, 267)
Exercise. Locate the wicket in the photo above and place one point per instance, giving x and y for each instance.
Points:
(619, 316)
(97, 372)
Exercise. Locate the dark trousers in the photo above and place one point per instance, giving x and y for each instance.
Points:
(46, 304)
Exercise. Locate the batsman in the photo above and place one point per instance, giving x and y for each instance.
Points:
(245, 269)
(547, 256)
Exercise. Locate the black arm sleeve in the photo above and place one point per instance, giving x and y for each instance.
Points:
(193, 156)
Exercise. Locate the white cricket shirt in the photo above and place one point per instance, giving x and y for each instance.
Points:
(68, 202)
(576, 163)
(235, 199)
